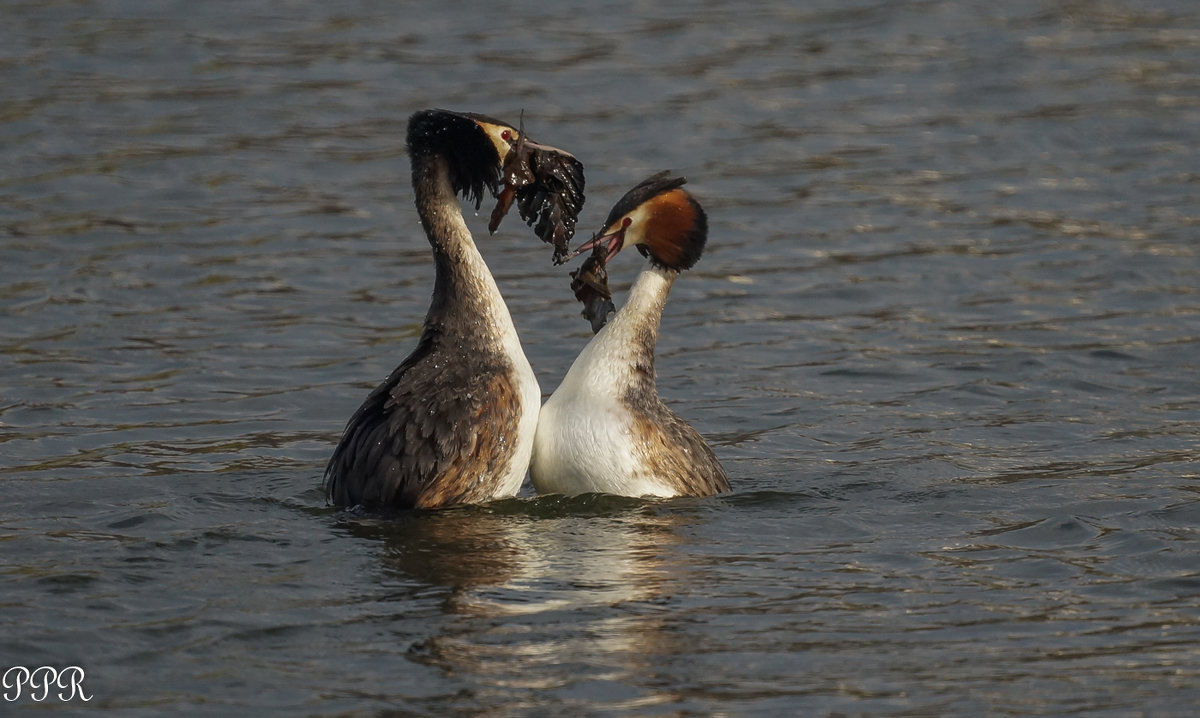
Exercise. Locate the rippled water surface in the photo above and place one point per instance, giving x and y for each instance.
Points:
(945, 338)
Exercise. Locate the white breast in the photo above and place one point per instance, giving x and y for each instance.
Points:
(531, 397)
(582, 446)
(585, 441)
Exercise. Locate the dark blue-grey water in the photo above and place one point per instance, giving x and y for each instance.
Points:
(945, 338)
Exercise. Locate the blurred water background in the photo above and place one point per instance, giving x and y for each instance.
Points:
(945, 338)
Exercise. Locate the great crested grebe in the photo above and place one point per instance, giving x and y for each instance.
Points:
(454, 423)
(605, 429)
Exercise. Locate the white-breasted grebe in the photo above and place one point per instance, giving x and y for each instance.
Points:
(454, 423)
(605, 429)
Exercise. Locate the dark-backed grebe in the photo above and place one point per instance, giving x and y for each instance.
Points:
(454, 423)
(605, 429)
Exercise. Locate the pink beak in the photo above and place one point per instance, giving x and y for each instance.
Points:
(612, 244)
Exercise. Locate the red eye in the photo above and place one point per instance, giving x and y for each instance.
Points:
(626, 222)
(506, 135)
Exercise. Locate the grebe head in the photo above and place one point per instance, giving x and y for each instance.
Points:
(471, 144)
(546, 183)
(664, 221)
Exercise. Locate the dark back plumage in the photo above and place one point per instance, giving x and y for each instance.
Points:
(427, 436)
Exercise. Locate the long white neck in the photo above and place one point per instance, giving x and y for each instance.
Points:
(622, 354)
(466, 300)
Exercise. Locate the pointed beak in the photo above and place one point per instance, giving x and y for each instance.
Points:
(612, 243)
